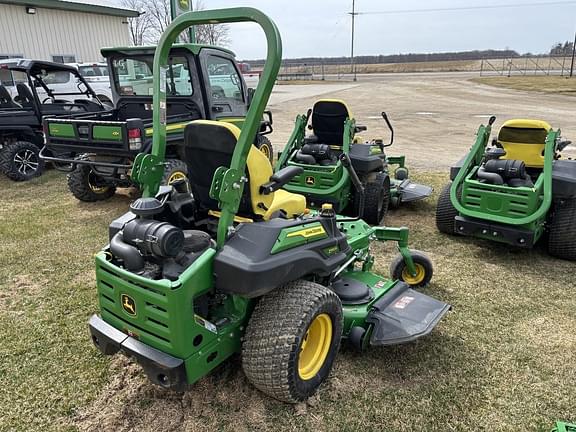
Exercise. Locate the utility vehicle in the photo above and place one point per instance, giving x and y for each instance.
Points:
(202, 82)
(517, 191)
(189, 279)
(334, 154)
(37, 85)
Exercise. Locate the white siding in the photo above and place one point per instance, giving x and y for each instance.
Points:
(55, 32)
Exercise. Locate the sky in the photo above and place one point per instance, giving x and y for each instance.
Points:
(322, 27)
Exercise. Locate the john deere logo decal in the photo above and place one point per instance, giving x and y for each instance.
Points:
(310, 180)
(128, 305)
(184, 5)
(115, 133)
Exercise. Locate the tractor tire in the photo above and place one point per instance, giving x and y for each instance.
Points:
(377, 199)
(424, 269)
(265, 146)
(445, 211)
(292, 339)
(174, 170)
(20, 161)
(86, 186)
(562, 230)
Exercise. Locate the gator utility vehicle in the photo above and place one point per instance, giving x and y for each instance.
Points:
(202, 82)
(39, 93)
(333, 155)
(517, 191)
(239, 266)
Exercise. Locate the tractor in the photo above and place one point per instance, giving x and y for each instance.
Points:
(238, 265)
(518, 190)
(333, 155)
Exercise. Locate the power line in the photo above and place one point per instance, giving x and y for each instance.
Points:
(512, 5)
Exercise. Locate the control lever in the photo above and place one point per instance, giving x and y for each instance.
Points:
(347, 163)
(387, 120)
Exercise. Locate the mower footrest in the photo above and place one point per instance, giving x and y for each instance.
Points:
(161, 368)
(403, 315)
(413, 191)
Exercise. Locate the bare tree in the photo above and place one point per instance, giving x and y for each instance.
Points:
(212, 34)
(157, 16)
(139, 26)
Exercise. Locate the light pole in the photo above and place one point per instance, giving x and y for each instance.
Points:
(352, 65)
(573, 55)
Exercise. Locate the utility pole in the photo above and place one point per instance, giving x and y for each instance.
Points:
(573, 55)
(352, 65)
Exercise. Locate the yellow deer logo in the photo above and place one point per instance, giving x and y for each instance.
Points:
(128, 305)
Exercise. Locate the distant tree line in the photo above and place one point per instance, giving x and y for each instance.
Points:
(559, 49)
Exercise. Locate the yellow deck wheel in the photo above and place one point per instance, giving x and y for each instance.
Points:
(414, 279)
(315, 347)
(175, 176)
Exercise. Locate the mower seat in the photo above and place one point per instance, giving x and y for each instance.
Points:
(524, 140)
(209, 145)
(328, 118)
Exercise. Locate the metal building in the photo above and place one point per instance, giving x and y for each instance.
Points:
(61, 31)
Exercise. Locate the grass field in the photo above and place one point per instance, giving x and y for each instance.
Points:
(502, 360)
(546, 84)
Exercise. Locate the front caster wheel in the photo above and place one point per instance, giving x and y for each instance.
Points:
(292, 339)
(424, 269)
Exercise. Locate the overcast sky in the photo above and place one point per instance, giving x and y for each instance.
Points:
(322, 27)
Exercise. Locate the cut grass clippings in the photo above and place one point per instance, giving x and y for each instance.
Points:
(502, 360)
(544, 84)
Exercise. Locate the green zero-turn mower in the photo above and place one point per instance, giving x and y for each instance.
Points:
(333, 155)
(237, 266)
(517, 190)
(564, 427)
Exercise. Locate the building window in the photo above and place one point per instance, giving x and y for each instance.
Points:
(64, 58)
(10, 56)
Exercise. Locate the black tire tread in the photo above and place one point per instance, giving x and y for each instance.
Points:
(263, 140)
(271, 337)
(6, 159)
(372, 190)
(562, 230)
(445, 211)
(172, 165)
(79, 186)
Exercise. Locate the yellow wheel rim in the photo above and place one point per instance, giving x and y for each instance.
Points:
(264, 149)
(417, 278)
(96, 189)
(176, 175)
(315, 346)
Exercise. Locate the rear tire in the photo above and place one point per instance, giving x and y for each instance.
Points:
(174, 170)
(424, 269)
(286, 353)
(87, 186)
(562, 230)
(265, 146)
(20, 161)
(377, 199)
(445, 212)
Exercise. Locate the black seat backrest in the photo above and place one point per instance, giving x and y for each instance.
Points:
(5, 99)
(328, 117)
(206, 148)
(25, 95)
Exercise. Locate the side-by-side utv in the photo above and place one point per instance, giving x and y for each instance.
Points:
(240, 266)
(517, 191)
(333, 155)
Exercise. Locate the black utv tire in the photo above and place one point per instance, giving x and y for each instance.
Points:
(283, 322)
(20, 161)
(445, 211)
(86, 186)
(265, 146)
(562, 230)
(377, 199)
(174, 170)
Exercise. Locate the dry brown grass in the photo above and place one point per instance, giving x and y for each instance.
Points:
(545, 84)
(502, 360)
